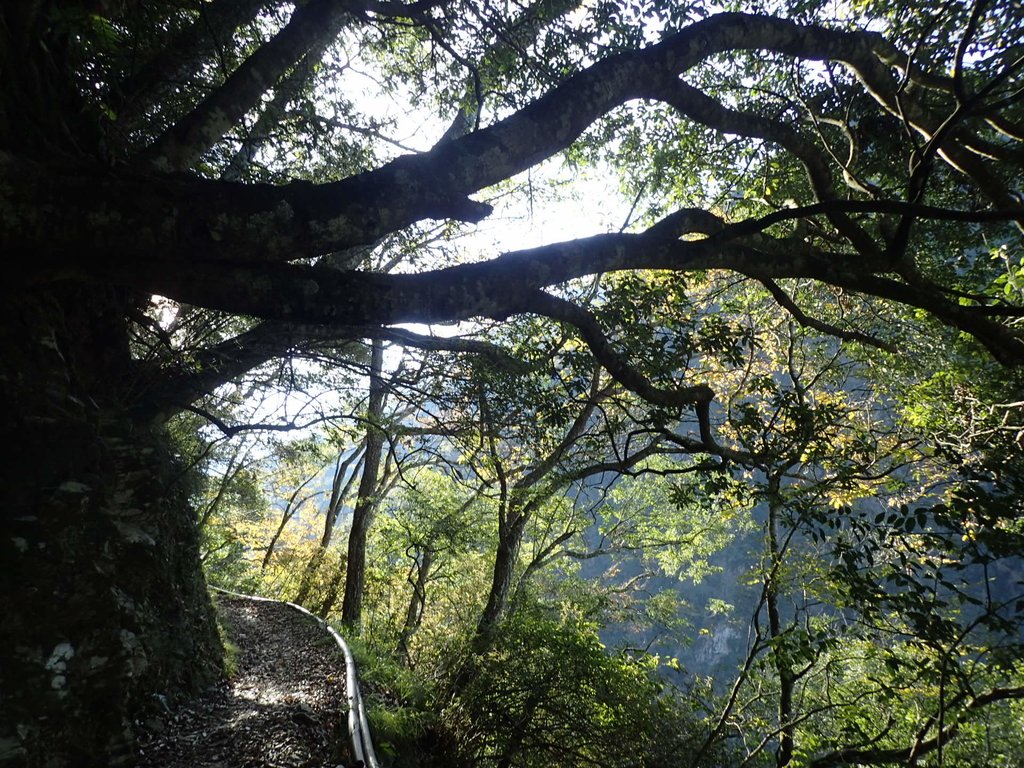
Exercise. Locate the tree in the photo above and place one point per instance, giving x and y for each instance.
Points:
(862, 602)
(366, 495)
(548, 693)
(421, 556)
(876, 167)
(294, 498)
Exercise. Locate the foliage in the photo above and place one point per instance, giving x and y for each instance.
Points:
(795, 365)
(548, 692)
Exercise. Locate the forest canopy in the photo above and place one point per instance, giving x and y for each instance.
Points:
(639, 382)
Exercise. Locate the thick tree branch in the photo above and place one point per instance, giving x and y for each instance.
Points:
(181, 146)
(169, 218)
(559, 309)
(701, 108)
(178, 58)
(510, 283)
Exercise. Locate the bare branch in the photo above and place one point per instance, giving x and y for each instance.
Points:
(801, 317)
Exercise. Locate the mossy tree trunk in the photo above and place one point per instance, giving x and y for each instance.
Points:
(105, 607)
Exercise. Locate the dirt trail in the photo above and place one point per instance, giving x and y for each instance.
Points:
(284, 707)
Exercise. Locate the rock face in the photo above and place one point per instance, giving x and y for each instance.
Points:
(104, 602)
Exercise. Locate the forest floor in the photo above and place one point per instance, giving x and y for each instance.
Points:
(283, 706)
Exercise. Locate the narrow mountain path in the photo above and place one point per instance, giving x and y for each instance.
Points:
(284, 706)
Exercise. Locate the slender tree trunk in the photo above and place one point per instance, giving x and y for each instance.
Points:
(338, 495)
(783, 666)
(184, 143)
(362, 515)
(309, 576)
(417, 601)
(515, 509)
(274, 112)
(293, 505)
(290, 509)
(340, 492)
(234, 467)
(272, 544)
(331, 593)
(179, 58)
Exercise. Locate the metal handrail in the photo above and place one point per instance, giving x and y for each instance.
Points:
(358, 724)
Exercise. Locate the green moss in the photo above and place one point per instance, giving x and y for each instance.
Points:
(231, 650)
(230, 656)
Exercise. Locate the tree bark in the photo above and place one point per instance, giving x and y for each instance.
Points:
(338, 495)
(783, 665)
(366, 501)
(417, 600)
(105, 602)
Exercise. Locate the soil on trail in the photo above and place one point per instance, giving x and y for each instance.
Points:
(284, 707)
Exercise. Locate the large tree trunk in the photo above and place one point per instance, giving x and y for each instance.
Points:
(105, 607)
